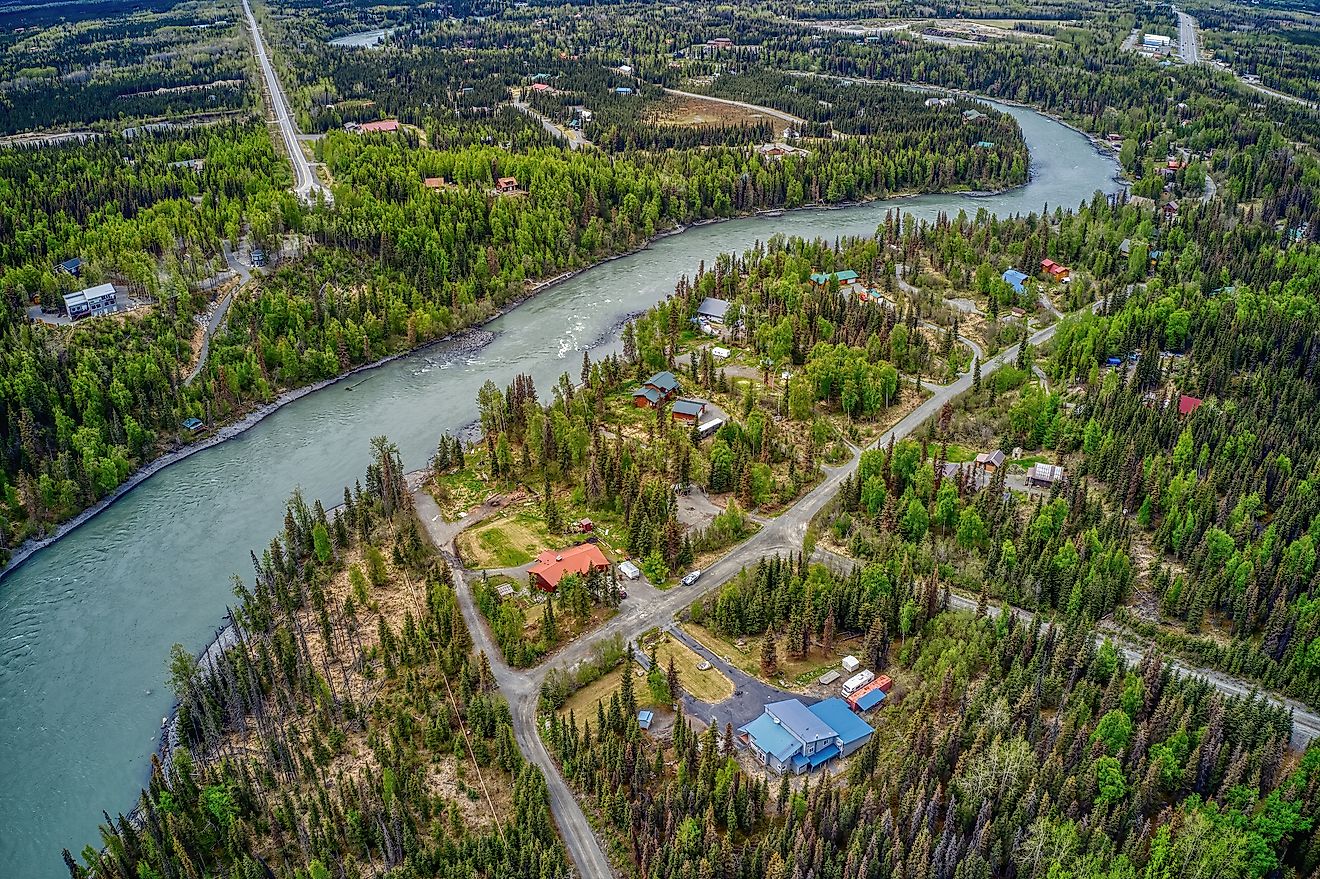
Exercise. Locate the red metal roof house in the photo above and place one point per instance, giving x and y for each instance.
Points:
(553, 565)
(1187, 405)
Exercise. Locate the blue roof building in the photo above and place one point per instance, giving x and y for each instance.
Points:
(792, 737)
(844, 277)
(645, 718)
(1015, 279)
(870, 699)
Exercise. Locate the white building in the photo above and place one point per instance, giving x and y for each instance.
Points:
(1157, 41)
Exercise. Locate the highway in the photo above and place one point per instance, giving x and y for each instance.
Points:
(305, 184)
(1189, 44)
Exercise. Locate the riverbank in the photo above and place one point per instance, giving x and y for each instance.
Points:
(30, 547)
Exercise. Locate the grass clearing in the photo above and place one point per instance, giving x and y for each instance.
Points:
(793, 672)
(709, 686)
(583, 702)
(684, 110)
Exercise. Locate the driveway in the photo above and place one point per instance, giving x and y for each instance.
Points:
(750, 693)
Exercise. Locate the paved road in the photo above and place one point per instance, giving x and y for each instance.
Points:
(1306, 723)
(575, 138)
(218, 316)
(648, 608)
(1189, 43)
(305, 184)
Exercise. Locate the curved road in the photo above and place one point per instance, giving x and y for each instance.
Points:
(650, 608)
(305, 184)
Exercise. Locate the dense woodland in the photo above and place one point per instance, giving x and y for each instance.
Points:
(348, 730)
(1019, 751)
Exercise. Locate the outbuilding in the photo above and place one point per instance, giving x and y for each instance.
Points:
(688, 410)
(629, 571)
(1015, 279)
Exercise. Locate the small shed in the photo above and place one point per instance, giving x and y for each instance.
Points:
(688, 410)
(505, 590)
(645, 718)
(851, 664)
(720, 353)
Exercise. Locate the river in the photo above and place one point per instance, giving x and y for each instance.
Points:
(86, 624)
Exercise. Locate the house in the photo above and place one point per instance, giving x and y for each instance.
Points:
(506, 185)
(790, 737)
(990, 461)
(688, 411)
(1015, 279)
(1171, 209)
(434, 183)
(1044, 475)
(383, 125)
(657, 389)
(192, 425)
(868, 697)
(985, 144)
(720, 43)
(1187, 405)
(542, 88)
(712, 310)
(552, 565)
(972, 115)
(623, 90)
(1054, 270)
(720, 353)
(645, 718)
(629, 570)
(72, 267)
(845, 278)
(90, 302)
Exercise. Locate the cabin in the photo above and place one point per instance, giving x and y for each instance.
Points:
(688, 411)
(623, 90)
(193, 425)
(985, 144)
(720, 43)
(71, 267)
(434, 183)
(712, 310)
(844, 278)
(972, 115)
(552, 565)
(1055, 271)
(90, 302)
(989, 462)
(1187, 405)
(656, 390)
(506, 185)
(790, 737)
(1044, 475)
(542, 88)
(1017, 280)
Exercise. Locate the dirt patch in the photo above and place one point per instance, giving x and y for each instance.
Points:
(685, 110)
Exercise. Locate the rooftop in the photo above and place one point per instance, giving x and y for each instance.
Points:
(689, 407)
(712, 307)
(553, 565)
(835, 713)
(665, 381)
(772, 738)
(800, 721)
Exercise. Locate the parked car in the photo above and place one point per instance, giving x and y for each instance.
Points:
(691, 578)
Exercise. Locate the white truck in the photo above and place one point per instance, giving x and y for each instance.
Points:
(857, 681)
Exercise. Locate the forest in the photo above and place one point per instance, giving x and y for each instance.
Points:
(346, 729)
(1020, 749)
